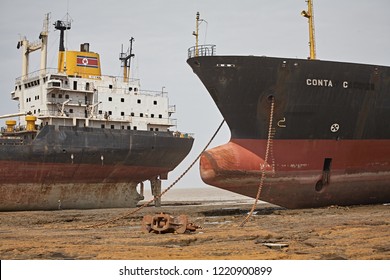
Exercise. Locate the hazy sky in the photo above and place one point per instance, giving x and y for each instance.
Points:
(348, 30)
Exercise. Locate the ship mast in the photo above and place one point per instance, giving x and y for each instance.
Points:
(62, 26)
(310, 16)
(44, 38)
(126, 60)
(196, 34)
(28, 48)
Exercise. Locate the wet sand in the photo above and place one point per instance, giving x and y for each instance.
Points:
(353, 233)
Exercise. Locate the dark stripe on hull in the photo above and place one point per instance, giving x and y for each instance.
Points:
(310, 96)
(306, 173)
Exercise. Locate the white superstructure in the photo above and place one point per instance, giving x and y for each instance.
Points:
(76, 94)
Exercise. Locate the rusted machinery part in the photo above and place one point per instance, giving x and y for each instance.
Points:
(165, 223)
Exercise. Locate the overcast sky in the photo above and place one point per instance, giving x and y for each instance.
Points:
(347, 30)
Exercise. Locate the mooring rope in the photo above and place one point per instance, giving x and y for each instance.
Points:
(162, 193)
(262, 166)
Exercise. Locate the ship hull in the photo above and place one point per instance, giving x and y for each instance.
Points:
(27, 197)
(85, 168)
(329, 142)
(298, 179)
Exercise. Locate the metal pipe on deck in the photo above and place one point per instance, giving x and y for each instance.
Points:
(14, 115)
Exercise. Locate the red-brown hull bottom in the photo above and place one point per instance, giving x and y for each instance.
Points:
(303, 173)
(48, 186)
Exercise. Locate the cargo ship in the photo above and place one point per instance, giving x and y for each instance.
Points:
(83, 140)
(317, 130)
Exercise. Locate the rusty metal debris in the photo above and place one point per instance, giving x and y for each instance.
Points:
(165, 223)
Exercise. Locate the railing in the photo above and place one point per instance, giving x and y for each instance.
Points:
(202, 50)
(153, 93)
(35, 75)
(101, 117)
(48, 71)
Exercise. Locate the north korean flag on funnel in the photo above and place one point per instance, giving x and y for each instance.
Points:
(87, 61)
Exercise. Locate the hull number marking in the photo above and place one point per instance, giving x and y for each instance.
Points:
(282, 122)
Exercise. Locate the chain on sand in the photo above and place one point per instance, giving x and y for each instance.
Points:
(128, 214)
(262, 167)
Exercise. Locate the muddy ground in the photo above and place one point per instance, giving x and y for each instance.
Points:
(359, 232)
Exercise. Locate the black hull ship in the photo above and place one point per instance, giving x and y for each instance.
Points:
(84, 140)
(319, 130)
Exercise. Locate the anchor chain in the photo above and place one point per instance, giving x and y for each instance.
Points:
(162, 193)
(268, 150)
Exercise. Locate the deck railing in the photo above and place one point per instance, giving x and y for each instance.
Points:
(202, 50)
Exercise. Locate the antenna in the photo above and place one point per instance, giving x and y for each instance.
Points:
(125, 57)
(62, 26)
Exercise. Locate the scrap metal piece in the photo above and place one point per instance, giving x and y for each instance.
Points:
(165, 223)
(276, 245)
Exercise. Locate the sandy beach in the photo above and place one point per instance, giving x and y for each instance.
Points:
(351, 233)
